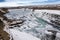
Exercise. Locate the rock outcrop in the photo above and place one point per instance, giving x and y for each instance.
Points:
(3, 34)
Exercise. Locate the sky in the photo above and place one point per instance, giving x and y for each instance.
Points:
(22, 0)
(27, 2)
(30, 1)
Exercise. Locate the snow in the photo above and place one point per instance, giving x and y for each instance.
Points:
(49, 33)
(30, 29)
(49, 11)
(17, 35)
(58, 35)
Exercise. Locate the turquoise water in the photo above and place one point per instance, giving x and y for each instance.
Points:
(41, 21)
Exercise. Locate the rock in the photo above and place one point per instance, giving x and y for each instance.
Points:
(3, 34)
(17, 22)
(3, 11)
(1, 25)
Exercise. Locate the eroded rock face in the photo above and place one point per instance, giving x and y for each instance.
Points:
(1, 25)
(3, 34)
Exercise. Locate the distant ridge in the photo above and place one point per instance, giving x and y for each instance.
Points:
(50, 6)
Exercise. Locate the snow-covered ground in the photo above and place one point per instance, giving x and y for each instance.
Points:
(34, 27)
(17, 35)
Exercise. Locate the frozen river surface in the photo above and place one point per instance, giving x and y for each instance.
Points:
(34, 27)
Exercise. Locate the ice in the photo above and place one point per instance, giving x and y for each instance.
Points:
(34, 27)
(17, 35)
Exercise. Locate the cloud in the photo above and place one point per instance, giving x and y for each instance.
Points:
(26, 0)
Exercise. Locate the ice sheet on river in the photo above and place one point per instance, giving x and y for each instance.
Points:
(17, 35)
(34, 26)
